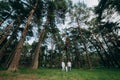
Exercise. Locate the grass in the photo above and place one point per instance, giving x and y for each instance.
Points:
(57, 74)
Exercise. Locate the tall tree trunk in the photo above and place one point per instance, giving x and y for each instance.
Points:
(51, 53)
(86, 50)
(101, 56)
(59, 48)
(110, 62)
(6, 29)
(2, 50)
(14, 64)
(114, 39)
(67, 42)
(77, 55)
(10, 57)
(6, 33)
(11, 54)
(112, 55)
(38, 51)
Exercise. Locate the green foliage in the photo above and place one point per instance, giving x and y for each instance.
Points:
(109, 5)
(4, 9)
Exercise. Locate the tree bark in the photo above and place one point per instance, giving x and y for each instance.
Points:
(38, 51)
(87, 55)
(51, 55)
(112, 55)
(14, 64)
(101, 56)
(6, 32)
(2, 50)
(110, 62)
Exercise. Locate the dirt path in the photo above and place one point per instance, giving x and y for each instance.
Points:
(20, 77)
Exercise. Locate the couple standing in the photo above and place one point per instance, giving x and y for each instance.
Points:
(66, 67)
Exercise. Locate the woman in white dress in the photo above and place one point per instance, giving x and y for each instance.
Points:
(63, 65)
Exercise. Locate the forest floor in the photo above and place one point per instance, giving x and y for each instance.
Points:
(57, 74)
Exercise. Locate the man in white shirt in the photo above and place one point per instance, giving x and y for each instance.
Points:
(69, 65)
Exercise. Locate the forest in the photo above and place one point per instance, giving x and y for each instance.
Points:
(43, 33)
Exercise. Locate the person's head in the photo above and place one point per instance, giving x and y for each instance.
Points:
(69, 60)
